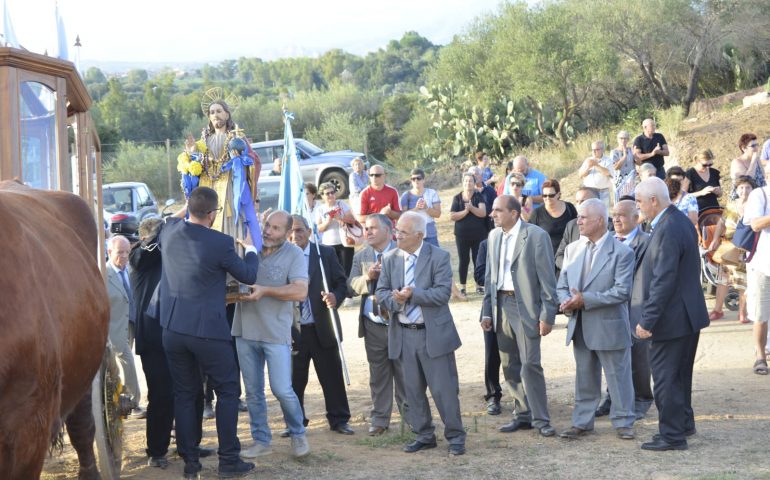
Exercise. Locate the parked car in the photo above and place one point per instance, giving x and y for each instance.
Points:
(130, 198)
(316, 165)
(267, 191)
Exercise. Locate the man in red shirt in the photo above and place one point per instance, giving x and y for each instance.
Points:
(379, 197)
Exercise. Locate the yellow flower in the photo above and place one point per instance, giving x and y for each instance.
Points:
(195, 168)
(183, 163)
(200, 146)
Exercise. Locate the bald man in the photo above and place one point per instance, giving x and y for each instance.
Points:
(379, 197)
(651, 147)
(121, 311)
(533, 181)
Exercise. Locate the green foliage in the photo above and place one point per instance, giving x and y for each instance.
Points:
(141, 163)
(340, 131)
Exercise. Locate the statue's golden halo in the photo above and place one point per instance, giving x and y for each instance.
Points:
(215, 94)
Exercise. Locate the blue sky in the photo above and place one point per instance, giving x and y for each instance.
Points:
(211, 31)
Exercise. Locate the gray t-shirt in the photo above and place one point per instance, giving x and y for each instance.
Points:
(268, 319)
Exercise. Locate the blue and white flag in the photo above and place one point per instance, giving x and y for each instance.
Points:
(9, 36)
(291, 193)
(62, 50)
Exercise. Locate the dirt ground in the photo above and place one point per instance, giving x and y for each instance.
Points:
(732, 417)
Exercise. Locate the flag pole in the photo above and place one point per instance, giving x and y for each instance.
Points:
(292, 199)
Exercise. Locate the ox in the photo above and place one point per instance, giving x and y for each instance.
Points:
(54, 316)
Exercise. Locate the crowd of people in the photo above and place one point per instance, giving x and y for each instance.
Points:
(623, 263)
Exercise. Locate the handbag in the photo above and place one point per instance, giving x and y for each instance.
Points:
(354, 234)
(728, 254)
(745, 238)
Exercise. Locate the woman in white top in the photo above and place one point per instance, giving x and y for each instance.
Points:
(424, 201)
(331, 215)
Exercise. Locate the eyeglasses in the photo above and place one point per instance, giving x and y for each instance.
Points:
(707, 164)
(219, 209)
(517, 184)
(753, 145)
(330, 192)
(377, 175)
(416, 179)
(550, 195)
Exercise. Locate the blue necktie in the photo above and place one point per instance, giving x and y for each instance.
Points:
(413, 312)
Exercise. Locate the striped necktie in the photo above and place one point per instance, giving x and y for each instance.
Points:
(413, 312)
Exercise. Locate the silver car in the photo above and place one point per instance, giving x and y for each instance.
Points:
(316, 165)
(131, 198)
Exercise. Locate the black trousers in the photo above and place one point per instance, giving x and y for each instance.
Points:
(641, 376)
(328, 368)
(208, 389)
(345, 256)
(672, 364)
(467, 248)
(160, 402)
(187, 357)
(492, 367)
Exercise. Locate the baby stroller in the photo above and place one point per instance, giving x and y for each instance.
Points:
(712, 273)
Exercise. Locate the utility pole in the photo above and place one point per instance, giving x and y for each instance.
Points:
(170, 168)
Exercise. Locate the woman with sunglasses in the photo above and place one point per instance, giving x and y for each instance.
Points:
(331, 215)
(747, 164)
(516, 182)
(424, 201)
(469, 213)
(702, 181)
(555, 214)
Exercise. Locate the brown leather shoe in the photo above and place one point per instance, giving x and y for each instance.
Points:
(375, 431)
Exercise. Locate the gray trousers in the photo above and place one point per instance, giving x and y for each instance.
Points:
(440, 375)
(125, 358)
(384, 375)
(588, 383)
(520, 359)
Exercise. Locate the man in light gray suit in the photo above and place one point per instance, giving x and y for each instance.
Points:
(119, 292)
(384, 373)
(594, 288)
(625, 218)
(520, 305)
(414, 286)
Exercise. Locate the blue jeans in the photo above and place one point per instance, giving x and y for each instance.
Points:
(252, 356)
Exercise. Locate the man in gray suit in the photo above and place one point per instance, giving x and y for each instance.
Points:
(594, 288)
(625, 218)
(414, 286)
(384, 373)
(520, 305)
(121, 303)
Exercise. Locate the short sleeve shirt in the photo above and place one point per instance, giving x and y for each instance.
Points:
(758, 205)
(409, 201)
(647, 145)
(269, 319)
(334, 234)
(372, 201)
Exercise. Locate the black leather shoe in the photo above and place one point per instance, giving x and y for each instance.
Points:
(515, 425)
(284, 433)
(604, 408)
(208, 412)
(688, 433)
(158, 462)
(456, 450)
(192, 470)
(493, 407)
(242, 407)
(417, 445)
(547, 431)
(206, 452)
(344, 428)
(661, 445)
(235, 470)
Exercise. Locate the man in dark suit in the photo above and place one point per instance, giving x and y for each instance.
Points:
(673, 311)
(145, 262)
(317, 339)
(491, 350)
(625, 218)
(385, 375)
(415, 285)
(196, 335)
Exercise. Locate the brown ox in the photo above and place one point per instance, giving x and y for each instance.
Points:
(54, 315)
